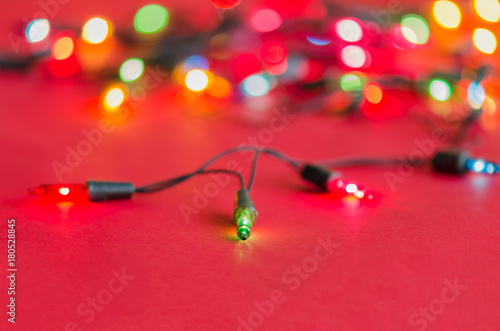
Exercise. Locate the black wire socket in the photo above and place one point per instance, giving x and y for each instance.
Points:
(103, 191)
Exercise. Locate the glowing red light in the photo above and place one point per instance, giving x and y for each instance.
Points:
(225, 4)
(60, 192)
(63, 68)
(64, 190)
(272, 53)
(389, 106)
(341, 189)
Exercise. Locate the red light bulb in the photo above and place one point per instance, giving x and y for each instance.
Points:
(330, 181)
(93, 191)
(341, 189)
(60, 191)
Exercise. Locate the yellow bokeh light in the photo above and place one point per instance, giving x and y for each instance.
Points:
(96, 30)
(114, 98)
(220, 88)
(447, 14)
(488, 10)
(196, 80)
(63, 48)
(489, 106)
(373, 93)
(484, 40)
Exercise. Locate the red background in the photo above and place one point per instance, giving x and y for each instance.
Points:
(391, 260)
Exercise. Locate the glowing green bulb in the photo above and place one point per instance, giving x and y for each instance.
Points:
(150, 19)
(244, 215)
(244, 220)
(243, 232)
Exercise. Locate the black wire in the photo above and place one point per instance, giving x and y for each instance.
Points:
(276, 154)
(336, 163)
(175, 181)
(229, 172)
(155, 187)
(282, 157)
(254, 169)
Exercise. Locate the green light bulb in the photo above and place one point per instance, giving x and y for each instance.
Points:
(243, 232)
(245, 217)
(150, 19)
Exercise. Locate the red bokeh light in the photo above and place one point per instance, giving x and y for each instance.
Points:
(272, 53)
(225, 4)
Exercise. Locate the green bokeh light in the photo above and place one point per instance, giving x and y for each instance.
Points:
(150, 19)
(440, 89)
(351, 82)
(418, 25)
(131, 70)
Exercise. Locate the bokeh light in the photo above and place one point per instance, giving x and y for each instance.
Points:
(150, 19)
(220, 88)
(64, 191)
(351, 82)
(96, 30)
(272, 52)
(406, 40)
(131, 69)
(353, 56)
(114, 97)
(418, 26)
(225, 4)
(195, 62)
(440, 90)
(349, 30)
(256, 86)
(489, 106)
(476, 95)
(318, 41)
(37, 30)
(63, 48)
(447, 14)
(196, 80)
(373, 93)
(277, 69)
(488, 10)
(351, 188)
(484, 41)
(265, 20)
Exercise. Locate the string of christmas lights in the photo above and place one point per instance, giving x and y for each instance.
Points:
(317, 173)
(336, 61)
